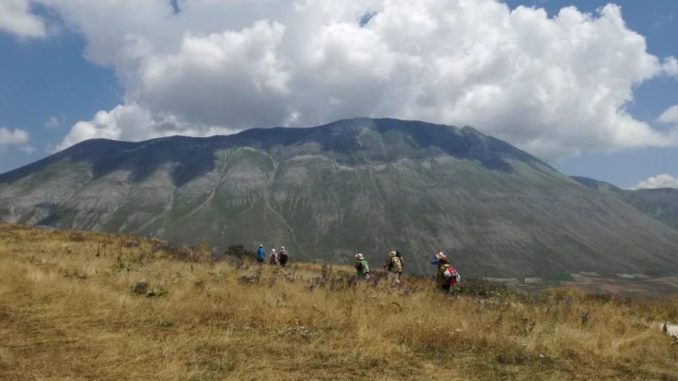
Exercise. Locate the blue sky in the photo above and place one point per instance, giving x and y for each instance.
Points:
(69, 63)
(49, 79)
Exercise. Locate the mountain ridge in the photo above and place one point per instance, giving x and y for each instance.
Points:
(257, 138)
(326, 192)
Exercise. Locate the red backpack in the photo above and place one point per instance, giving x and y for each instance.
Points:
(451, 275)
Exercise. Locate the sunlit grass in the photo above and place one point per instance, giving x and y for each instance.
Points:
(71, 307)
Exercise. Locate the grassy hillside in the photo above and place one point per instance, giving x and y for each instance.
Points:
(94, 306)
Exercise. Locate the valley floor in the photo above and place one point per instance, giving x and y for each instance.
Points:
(80, 306)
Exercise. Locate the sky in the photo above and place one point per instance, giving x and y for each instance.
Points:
(589, 86)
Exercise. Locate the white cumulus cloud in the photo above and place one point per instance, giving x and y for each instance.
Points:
(16, 18)
(131, 123)
(659, 181)
(670, 116)
(555, 86)
(17, 138)
(13, 137)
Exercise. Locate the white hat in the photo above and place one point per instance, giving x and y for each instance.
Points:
(359, 256)
(282, 247)
(441, 255)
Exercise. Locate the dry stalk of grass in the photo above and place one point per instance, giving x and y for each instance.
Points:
(77, 305)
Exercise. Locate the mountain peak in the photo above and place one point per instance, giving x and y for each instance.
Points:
(346, 141)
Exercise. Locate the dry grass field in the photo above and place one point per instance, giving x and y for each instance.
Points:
(84, 306)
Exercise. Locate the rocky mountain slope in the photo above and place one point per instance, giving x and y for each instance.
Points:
(355, 185)
(661, 203)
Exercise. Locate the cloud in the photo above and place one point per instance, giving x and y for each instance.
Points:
(109, 125)
(28, 149)
(659, 181)
(13, 137)
(555, 86)
(18, 138)
(670, 116)
(16, 18)
(131, 123)
(660, 20)
(53, 122)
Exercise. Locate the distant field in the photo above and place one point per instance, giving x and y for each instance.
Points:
(631, 285)
(639, 286)
(80, 306)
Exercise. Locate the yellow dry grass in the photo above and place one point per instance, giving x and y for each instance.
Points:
(68, 312)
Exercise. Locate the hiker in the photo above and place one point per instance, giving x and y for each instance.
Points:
(447, 276)
(273, 259)
(261, 254)
(283, 256)
(361, 267)
(394, 268)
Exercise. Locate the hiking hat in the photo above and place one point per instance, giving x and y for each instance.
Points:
(441, 255)
(359, 256)
(392, 254)
(282, 247)
(261, 245)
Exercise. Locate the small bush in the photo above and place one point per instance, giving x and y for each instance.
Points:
(144, 288)
(483, 288)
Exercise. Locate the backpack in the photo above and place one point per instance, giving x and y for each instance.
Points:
(451, 275)
(362, 267)
(395, 265)
(400, 256)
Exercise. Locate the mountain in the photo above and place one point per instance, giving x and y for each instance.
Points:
(661, 204)
(327, 192)
(596, 184)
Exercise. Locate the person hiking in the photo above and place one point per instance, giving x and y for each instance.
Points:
(362, 267)
(394, 268)
(261, 254)
(273, 259)
(447, 276)
(283, 256)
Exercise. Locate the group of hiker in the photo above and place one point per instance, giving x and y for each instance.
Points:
(394, 266)
(446, 276)
(275, 258)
